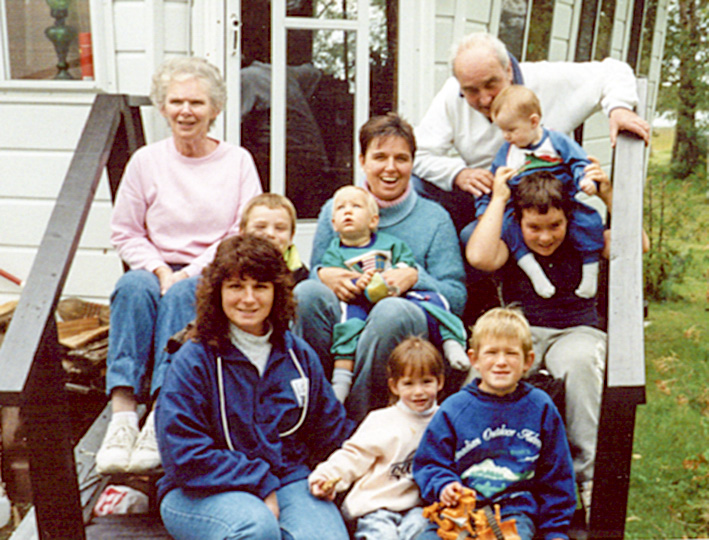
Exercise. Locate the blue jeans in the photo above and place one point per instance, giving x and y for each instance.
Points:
(390, 321)
(525, 527)
(387, 525)
(142, 321)
(237, 514)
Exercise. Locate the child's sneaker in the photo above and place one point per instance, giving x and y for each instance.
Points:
(114, 455)
(145, 456)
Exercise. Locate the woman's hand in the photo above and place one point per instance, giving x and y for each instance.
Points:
(341, 282)
(401, 278)
(168, 278)
(451, 493)
(271, 501)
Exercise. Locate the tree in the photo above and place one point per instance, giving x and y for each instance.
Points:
(684, 84)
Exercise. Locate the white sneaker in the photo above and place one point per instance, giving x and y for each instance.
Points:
(114, 455)
(145, 456)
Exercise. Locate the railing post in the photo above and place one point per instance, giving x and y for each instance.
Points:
(52, 466)
(625, 372)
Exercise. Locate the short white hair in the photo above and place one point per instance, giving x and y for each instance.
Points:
(482, 40)
(183, 68)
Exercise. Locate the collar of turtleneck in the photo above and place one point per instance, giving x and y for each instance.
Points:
(392, 212)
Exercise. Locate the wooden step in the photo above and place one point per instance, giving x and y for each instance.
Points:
(129, 526)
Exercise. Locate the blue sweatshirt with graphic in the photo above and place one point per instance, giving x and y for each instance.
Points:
(512, 450)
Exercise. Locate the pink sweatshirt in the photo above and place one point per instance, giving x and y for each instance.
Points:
(172, 209)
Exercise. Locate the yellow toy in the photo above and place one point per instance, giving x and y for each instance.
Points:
(463, 521)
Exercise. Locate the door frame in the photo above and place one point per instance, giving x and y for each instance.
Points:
(216, 35)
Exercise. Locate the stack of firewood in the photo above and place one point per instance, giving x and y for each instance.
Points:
(83, 332)
(82, 329)
(83, 335)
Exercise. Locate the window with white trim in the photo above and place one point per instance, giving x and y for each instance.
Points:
(46, 40)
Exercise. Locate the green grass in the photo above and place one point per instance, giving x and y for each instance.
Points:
(669, 488)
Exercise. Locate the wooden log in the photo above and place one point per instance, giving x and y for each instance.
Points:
(79, 340)
(70, 309)
(7, 308)
(67, 329)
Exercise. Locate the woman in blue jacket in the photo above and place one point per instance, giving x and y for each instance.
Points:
(245, 408)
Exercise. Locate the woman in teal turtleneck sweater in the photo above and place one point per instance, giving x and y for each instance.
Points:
(387, 144)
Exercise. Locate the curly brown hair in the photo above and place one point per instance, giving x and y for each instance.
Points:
(241, 257)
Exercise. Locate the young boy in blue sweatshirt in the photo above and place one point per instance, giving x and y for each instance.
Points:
(501, 437)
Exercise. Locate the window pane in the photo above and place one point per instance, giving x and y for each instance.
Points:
(605, 29)
(382, 56)
(648, 34)
(512, 22)
(540, 32)
(44, 42)
(323, 9)
(319, 125)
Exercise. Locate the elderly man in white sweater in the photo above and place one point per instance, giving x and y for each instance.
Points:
(459, 116)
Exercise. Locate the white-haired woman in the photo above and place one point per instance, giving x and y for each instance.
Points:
(178, 199)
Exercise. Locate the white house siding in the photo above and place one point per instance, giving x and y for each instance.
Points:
(34, 157)
(564, 29)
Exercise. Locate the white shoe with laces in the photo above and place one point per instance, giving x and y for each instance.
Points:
(145, 456)
(115, 452)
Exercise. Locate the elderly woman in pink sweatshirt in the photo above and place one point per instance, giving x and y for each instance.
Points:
(178, 199)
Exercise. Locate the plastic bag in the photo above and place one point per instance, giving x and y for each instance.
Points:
(121, 500)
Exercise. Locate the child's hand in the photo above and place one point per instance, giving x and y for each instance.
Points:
(451, 493)
(500, 188)
(596, 174)
(364, 279)
(588, 186)
(324, 489)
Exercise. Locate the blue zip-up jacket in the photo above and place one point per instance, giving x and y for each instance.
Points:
(278, 423)
(510, 449)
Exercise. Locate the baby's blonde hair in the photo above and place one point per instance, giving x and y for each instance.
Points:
(272, 201)
(521, 100)
(502, 323)
(345, 190)
(414, 356)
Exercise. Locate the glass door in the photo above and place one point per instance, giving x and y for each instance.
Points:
(301, 71)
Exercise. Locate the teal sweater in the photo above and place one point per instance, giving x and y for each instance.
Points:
(428, 230)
